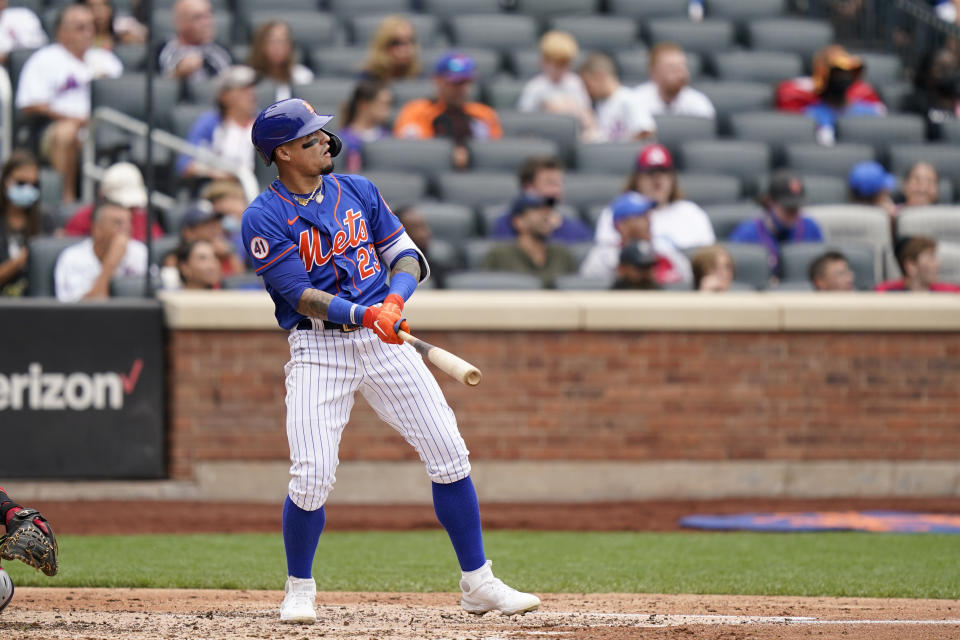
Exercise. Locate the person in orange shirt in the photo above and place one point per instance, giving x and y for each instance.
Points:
(450, 114)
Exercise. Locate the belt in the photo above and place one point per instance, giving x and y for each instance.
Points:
(307, 325)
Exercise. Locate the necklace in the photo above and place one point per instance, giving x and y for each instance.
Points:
(317, 194)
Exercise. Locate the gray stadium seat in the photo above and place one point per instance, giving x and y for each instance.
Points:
(363, 26)
(503, 93)
(789, 34)
(453, 223)
(881, 132)
(610, 158)
(133, 56)
(583, 283)
(542, 9)
(399, 188)
(644, 9)
(583, 191)
(881, 68)
(204, 93)
(347, 8)
(727, 217)
(51, 188)
(775, 128)
(814, 159)
(704, 37)
(633, 65)
(476, 250)
(709, 189)
(821, 189)
(476, 188)
(797, 258)
(396, 154)
(508, 154)
(493, 280)
(162, 247)
(406, 90)
(750, 263)
(525, 62)
(744, 9)
(562, 129)
(337, 61)
(306, 27)
(945, 157)
(949, 254)
(328, 91)
(854, 224)
(486, 59)
(599, 33)
(41, 262)
(443, 257)
(949, 131)
(246, 6)
(242, 281)
(673, 130)
(729, 98)
(757, 66)
(498, 32)
(793, 286)
(447, 8)
(896, 95)
(128, 94)
(940, 221)
(183, 115)
(746, 160)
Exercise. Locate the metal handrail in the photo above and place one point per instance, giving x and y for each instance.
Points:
(6, 114)
(111, 116)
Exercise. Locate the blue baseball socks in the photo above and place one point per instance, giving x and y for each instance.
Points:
(458, 511)
(301, 533)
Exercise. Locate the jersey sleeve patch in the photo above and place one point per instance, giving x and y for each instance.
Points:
(259, 248)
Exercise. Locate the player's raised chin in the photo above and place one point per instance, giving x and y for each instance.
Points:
(309, 155)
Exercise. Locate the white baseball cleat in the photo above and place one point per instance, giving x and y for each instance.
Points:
(483, 592)
(6, 589)
(299, 601)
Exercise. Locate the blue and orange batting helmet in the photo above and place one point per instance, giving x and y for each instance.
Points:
(288, 120)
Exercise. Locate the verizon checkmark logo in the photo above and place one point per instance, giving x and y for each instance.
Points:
(40, 390)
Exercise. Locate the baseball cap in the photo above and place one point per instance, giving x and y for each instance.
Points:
(455, 67)
(235, 77)
(530, 201)
(639, 254)
(867, 179)
(200, 212)
(631, 204)
(122, 184)
(654, 157)
(786, 189)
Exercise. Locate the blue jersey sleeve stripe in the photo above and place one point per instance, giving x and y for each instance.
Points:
(292, 246)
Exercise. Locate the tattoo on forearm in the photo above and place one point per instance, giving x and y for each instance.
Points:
(407, 264)
(315, 303)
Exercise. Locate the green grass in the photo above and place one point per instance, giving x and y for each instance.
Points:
(825, 564)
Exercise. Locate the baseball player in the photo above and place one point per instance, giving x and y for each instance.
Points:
(325, 244)
(28, 538)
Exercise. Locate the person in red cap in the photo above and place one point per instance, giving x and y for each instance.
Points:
(675, 221)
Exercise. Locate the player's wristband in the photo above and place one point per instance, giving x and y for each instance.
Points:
(403, 284)
(344, 312)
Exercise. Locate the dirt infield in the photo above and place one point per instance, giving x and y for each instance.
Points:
(135, 614)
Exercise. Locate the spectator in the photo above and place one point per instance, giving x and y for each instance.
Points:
(201, 222)
(917, 257)
(675, 221)
(394, 53)
(870, 184)
(419, 231)
(557, 89)
(109, 29)
(936, 94)
(782, 222)
(273, 57)
(192, 55)
(668, 90)
(635, 268)
(542, 176)
(534, 219)
(831, 272)
(20, 219)
(620, 114)
(713, 269)
(229, 201)
(948, 10)
(84, 270)
(20, 28)
(366, 114)
(198, 265)
(55, 85)
(631, 217)
(225, 130)
(834, 90)
(921, 186)
(122, 185)
(450, 114)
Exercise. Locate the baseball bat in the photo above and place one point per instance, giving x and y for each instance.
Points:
(457, 368)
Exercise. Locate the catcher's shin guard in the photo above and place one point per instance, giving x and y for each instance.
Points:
(6, 589)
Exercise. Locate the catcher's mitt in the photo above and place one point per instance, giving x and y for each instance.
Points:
(30, 539)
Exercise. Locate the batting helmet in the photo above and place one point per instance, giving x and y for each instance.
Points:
(285, 121)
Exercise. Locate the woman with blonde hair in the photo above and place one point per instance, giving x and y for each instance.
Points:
(273, 57)
(393, 53)
(712, 269)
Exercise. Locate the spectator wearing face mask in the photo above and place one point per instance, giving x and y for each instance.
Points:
(20, 219)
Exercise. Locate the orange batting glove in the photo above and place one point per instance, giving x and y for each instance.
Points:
(385, 321)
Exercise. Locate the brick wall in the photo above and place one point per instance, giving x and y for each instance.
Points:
(607, 396)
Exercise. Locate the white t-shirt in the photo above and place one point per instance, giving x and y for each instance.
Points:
(78, 268)
(55, 77)
(231, 142)
(299, 75)
(689, 102)
(681, 224)
(622, 117)
(541, 90)
(20, 29)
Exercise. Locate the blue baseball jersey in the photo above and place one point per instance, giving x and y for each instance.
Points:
(344, 245)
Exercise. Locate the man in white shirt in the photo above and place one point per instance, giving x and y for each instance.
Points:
(668, 89)
(20, 28)
(84, 270)
(620, 115)
(55, 84)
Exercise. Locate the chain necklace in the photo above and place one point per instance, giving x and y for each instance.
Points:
(317, 194)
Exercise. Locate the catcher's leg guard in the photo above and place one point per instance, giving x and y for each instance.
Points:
(6, 589)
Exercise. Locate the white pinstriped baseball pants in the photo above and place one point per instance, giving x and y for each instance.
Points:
(326, 368)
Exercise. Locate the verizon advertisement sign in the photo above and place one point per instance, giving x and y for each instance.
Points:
(81, 390)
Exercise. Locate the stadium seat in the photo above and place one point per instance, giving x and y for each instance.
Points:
(41, 261)
(564, 130)
(453, 223)
(444, 9)
(797, 258)
(503, 93)
(363, 26)
(476, 188)
(203, 93)
(645, 9)
(610, 158)
(792, 286)
(497, 32)
(476, 250)
(795, 35)
(881, 132)
(163, 26)
(583, 283)
(729, 98)
(768, 67)
(508, 154)
(727, 217)
(406, 90)
(15, 61)
(854, 224)
(949, 255)
(486, 59)
(242, 282)
(945, 157)
(162, 247)
(133, 57)
(244, 7)
(399, 188)
(880, 68)
(743, 159)
(306, 27)
(127, 286)
(328, 61)
(744, 9)
(525, 62)
(633, 65)
(492, 280)
(710, 189)
(183, 115)
(814, 159)
(396, 154)
(346, 8)
(673, 130)
(949, 130)
(327, 91)
(704, 37)
(775, 128)
(940, 221)
(896, 94)
(51, 188)
(128, 94)
(598, 32)
(542, 9)
(584, 191)
(443, 257)
(750, 264)
(823, 189)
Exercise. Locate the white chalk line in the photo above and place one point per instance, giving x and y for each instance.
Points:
(662, 620)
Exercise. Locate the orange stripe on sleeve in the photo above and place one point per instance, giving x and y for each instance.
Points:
(277, 258)
(399, 230)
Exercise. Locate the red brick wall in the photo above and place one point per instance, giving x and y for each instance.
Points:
(607, 396)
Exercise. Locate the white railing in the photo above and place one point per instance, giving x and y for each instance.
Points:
(6, 114)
